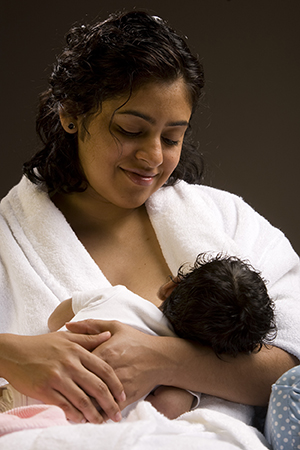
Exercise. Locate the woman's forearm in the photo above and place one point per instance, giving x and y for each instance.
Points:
(245, 379)
(143, 362)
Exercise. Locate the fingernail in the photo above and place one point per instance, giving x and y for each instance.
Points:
(106, 334)
(122, 397)
(118, 417)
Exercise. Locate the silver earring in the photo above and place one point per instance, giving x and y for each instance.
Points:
(71, 126)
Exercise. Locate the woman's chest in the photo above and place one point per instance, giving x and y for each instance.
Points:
(133, 259)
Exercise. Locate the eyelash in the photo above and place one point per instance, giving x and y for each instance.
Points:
(170, 142)
(167, 141)
(128, 133)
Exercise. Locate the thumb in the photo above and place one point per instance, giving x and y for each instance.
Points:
(88, 326)
(89, 341)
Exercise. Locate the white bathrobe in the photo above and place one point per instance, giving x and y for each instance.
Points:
(42, 263)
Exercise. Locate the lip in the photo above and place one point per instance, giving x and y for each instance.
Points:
(139, 177)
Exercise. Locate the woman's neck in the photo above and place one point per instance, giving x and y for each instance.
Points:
(84, 211)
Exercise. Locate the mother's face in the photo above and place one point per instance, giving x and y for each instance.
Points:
(132, 147)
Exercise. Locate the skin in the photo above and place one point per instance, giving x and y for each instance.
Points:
(131, 150)
(63, 313)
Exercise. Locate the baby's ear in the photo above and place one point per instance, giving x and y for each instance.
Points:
(166, 289)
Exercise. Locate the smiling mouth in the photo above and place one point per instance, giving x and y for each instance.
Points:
(139, 178)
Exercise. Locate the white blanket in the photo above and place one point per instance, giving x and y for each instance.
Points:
(42, 263)
(144, 429)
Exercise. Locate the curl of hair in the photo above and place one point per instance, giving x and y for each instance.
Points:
(100, 62)
(222, 302)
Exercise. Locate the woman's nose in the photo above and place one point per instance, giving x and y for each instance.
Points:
(151, 152)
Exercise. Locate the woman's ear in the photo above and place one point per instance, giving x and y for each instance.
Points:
(166, 289)
(68, 122)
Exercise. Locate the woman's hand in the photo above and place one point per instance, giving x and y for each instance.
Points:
(59, 368)
(139, 360)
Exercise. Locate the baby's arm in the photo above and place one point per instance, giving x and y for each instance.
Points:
(171, 401)
(62, 314)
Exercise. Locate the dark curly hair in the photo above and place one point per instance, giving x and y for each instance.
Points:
(101, 62)
(222, 302)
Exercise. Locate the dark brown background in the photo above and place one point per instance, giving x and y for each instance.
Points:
(249, 127)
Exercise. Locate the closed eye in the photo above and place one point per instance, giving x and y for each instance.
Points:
(170, 142)
(129, 133)
(167, 141)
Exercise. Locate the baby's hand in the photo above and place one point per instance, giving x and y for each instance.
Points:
(171, 401)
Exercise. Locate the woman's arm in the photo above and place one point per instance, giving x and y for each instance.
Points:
(142, 362)
(58, 368)
(245, 379)
(62, 314)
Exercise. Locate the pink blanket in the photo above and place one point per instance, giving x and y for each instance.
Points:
(33, 416)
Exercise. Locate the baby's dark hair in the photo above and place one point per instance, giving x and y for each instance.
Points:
(222, 302)
(104, 61)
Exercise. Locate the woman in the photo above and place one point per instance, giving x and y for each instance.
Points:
(104, 192)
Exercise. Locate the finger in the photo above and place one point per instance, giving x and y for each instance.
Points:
(53, 397)
(90, 326)
(105, 402)
(76, 404)
(105, 386)
(97, 366)
(88, 341)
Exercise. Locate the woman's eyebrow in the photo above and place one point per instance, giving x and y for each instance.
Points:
(151, 120)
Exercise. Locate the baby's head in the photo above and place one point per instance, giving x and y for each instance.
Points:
(221, 302)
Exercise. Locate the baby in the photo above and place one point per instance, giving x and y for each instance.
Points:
(220, 302)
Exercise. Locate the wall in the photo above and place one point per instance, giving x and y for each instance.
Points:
(248, 126)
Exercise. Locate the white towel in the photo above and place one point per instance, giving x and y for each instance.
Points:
(144, 429)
